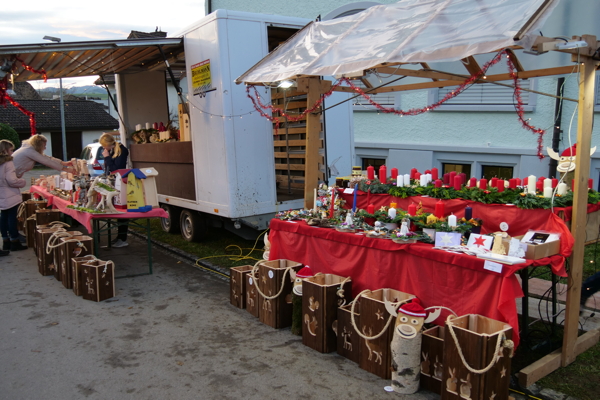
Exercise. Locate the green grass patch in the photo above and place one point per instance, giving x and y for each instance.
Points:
(220, 247)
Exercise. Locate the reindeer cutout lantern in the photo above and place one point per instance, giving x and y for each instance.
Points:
(567, 161)
(406, 344)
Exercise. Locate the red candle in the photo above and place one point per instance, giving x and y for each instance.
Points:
(554, 182)
(473, 182)
(512, 183)
(590, 183)
(518, 181)
(463, 178)
(439, 209)
(434, 174)
(525, 181)
(412, 209)
(371, 209)
(541, 178)
(572, 185)
(500, 185)
(457, 182)
(370, 172)
(417, 175)
(438, 183)
(539, 186)
(493, 181)
(332, 203)
(483, 184)
(446, 179)
(452, 175)
(394, 173)
(383, 174)
(412, 173)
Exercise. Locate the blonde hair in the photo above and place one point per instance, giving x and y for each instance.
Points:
(5, 146)
(37, 142)
(109, 140)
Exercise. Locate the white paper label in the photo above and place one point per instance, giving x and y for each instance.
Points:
(271, 274)
(493, 266)
(348, 191)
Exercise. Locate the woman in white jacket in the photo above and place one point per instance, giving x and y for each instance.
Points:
(10, 198)
(32, 152)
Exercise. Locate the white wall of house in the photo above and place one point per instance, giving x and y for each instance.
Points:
(464, 135)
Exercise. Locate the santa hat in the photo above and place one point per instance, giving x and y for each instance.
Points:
(413, 308)
(305, 272)
(570, 152)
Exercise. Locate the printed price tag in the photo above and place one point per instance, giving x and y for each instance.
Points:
(348, 191)
(493, 266)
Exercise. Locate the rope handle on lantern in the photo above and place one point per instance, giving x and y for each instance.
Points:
(66, 241)
(340, 292)
(253, 275)
(501, 342)
(106, 265)
(21, 210)
(387, 324)
(60, 233)
(59, 223)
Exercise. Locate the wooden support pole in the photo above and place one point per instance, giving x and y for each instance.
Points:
(587, 82)
(312, 86)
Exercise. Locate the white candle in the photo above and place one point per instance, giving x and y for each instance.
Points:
(392, 213)
(148, 126)
(562, 189)
(531, 181)
(548, 191)
(406, 179)
(424, 180)
(452, 220)
(315, 197)
(547, 182)
(138, 127)
(400, 180)
(428, 177)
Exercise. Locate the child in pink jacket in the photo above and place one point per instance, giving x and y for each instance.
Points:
(10, 198)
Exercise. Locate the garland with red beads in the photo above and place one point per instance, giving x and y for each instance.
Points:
(5, 97)
(259, 106)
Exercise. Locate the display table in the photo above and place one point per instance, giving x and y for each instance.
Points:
(92, 221)
(438, 278)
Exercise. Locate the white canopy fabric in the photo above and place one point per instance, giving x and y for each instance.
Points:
(409, 31)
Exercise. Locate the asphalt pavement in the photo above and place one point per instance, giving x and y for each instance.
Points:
(169, 335)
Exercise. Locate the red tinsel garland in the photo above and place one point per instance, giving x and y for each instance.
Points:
(259, 106)
(4, 96)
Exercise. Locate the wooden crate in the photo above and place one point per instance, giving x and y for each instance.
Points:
(29, 224)
(432, 359)
(45, 261)
(251, 293)
(477, 337)
(347, 339)
(76, 275)
(43, 218)
(56, 253)
(375, 355)
(320, 303)
(237, 285)
(70, 249)
(277, 312)
(99, 280)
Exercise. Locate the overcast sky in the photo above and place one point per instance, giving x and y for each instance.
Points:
(29, 21)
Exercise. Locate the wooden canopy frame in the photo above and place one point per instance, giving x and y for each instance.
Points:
(586, 67)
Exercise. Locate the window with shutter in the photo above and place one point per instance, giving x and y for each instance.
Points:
(485, 97)
(389, 100)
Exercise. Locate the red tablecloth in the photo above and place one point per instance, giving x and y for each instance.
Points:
(519, 221)
(85, 218)
(438, 278)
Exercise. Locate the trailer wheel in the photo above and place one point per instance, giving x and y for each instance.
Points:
(170, 224)
(193, 226)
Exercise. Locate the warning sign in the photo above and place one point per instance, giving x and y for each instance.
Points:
(201, 78)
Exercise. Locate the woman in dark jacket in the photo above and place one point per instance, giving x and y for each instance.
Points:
(115, 157)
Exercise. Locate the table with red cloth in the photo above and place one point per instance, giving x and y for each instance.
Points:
(90, 221)
(437, 277)
(519, 220)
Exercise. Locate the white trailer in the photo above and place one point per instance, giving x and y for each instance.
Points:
(238, 169)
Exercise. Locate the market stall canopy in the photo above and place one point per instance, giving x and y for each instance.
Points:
(410, 31)
(76, 59)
